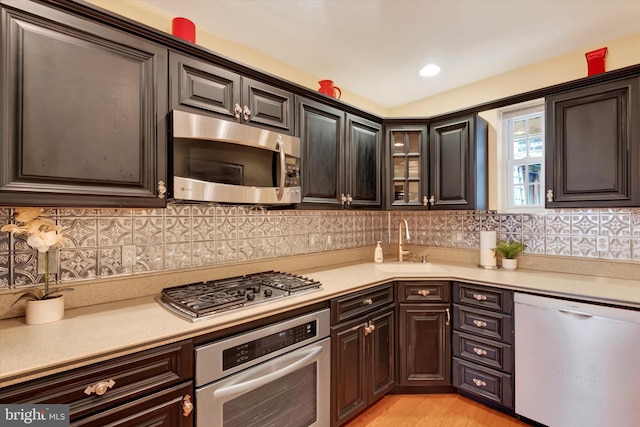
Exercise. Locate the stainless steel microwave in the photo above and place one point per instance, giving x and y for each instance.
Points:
(222, 161)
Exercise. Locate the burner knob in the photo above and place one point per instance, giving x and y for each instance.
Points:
(268, 292)
(241, 292)
(251, 297)
(256, 289)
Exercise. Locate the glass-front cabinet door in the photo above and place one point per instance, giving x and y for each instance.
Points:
(408, 147)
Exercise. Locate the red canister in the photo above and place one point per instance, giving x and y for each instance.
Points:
(595, 61)
(183, 28)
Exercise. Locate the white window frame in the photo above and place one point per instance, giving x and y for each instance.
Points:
(507, 162)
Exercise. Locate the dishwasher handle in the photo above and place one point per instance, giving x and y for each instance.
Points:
(265, 379)
(575, 313)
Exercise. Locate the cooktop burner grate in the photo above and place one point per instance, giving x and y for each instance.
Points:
(197, 300)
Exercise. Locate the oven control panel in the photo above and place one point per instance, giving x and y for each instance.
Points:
(250, 350)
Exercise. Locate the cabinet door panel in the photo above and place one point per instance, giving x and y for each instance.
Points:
(320, 129)
(593, 145)
(269, 106)
(363, 170)
(84, 112)
(382, 344)
(203, 86)
(449, 175)
(348, 375)
(424, 337)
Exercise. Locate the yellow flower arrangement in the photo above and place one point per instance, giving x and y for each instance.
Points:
(42, 233)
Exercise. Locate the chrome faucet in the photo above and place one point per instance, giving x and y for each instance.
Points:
(402, 252)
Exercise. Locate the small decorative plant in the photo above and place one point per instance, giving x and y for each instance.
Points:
(42, 233)
(509, 249)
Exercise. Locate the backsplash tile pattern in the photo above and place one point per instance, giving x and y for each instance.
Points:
(185, 236)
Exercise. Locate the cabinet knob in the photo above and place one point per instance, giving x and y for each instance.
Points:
(480, 323)
(479, 351)
(162, 189)
(368, 301)
(349, 199)
(425, 201)
(237, 110)
(246, 113)
(549, 195)
(100, 388)
(187, 406)
(343, 199)
(480, 297)
(478, 382)
(424, 292)
(432, 200)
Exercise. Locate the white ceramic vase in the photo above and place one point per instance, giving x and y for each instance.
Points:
(509, 264)
(44, 311)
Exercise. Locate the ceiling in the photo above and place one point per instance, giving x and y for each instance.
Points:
(375, 48)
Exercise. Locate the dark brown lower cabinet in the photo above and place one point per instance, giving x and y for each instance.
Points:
(424, 340)
(424, 334)
(150, 388)
(483, 352)
(362, 363)
(165, 408)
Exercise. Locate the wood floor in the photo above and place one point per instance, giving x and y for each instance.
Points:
(431, 410)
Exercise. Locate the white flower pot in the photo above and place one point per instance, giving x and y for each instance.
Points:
(509, 264)
(44, 311)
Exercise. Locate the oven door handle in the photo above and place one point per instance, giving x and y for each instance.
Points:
(265, 379)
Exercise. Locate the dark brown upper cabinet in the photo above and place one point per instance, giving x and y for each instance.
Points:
(83, 114)
(442, 166)
(210, 89)
(409, 165)
(341, 157)
(458, 164)
(593, 146)
(363, 171)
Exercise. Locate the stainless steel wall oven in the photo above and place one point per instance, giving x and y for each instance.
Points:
(278, 375)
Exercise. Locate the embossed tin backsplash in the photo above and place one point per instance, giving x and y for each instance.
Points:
(184, 236)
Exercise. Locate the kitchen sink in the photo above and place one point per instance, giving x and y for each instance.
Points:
(409, 267)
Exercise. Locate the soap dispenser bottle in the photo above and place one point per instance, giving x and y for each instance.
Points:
(378, 255)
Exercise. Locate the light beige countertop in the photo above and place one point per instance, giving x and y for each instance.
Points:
(100, 332)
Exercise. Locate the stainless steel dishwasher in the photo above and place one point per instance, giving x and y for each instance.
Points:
(577, 364)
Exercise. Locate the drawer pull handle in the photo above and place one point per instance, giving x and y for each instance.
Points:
(480, 323)
(480, 297)
(187, 406)
(479, 351)
(479, 383)
(424, 292)
(369, 328)
(368, 301)
(448, 322)
(101, 388)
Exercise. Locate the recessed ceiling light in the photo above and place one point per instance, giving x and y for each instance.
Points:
(430, 70)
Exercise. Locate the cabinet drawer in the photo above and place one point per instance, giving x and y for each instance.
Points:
(484, 382)
(359, 303)
(133, 376)
(424, 292)
(485, 323)
(164, 408)
(486, 352)
(483, 297)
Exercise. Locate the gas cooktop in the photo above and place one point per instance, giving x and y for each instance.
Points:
(198, 300)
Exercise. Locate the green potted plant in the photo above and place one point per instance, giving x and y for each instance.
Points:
(42, 234)
(509, 250)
